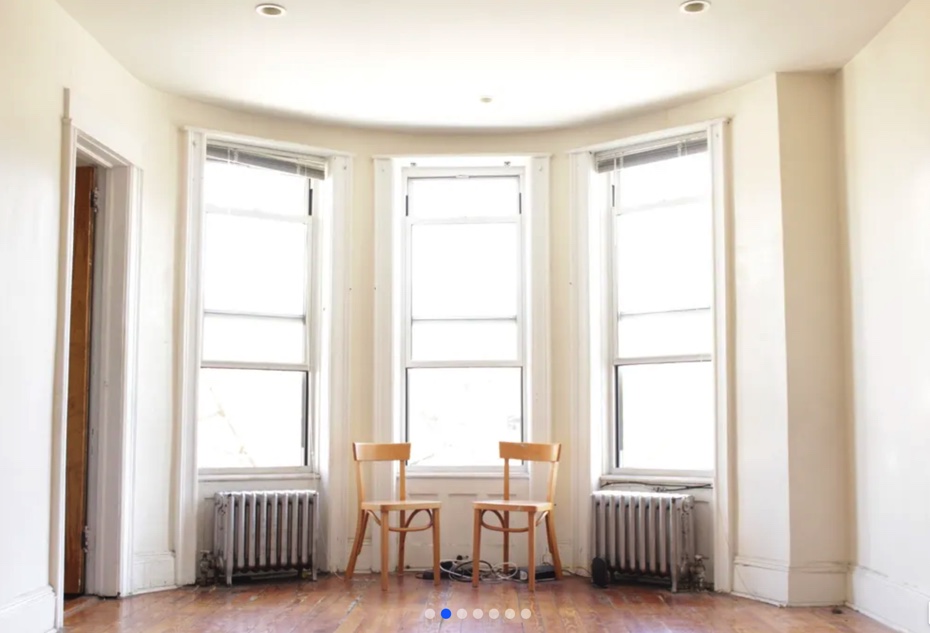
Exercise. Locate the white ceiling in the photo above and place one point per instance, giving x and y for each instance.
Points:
(426, 63)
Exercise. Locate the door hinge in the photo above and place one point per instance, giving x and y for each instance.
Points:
(85, 538)
(94, 199)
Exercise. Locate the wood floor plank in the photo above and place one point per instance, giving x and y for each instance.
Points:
(332, 606)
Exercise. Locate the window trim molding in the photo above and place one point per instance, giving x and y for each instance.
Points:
(389, 308)
(590, 365)
(331, 362)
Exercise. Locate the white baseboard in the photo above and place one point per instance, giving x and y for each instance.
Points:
(32, 612)
(761, 579)
(819, 584)
(152, 572)
(899, 606)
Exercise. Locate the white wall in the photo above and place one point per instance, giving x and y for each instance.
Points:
(42, 51)
(886, 117)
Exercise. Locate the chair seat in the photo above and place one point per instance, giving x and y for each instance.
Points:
(396, 505)
(512, 505)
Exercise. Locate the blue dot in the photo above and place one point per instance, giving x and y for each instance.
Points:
(446, 614)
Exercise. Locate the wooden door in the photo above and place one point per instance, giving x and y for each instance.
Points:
(79, 380)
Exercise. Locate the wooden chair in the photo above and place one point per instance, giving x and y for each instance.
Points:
(380, 510)
(535, 510)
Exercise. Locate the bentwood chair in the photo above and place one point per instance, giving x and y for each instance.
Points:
(379, 511)
(535, 511)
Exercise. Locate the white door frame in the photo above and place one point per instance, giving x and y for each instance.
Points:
(110, 485)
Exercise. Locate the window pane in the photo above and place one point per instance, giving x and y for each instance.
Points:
(667, 416)
(465, 340)
(664, 259)
(235, 338)
(254, 265)
(464, 270)
(249, 418)
(663, 180)
(667, 334)
(456, 417)
(463, 197)
(252, 189)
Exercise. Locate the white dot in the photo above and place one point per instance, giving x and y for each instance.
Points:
(494, 614)
(462, 613)
(527, 614)
(430, 614)
(478, 613)
(510, 614)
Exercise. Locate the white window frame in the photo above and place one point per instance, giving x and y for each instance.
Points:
(617, 360)
(406, 330)
(330, 434)
(311, 320)
(391, 309)
(590, 358)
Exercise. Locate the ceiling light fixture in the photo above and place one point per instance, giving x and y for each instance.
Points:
(270, 10)
(695, 6)
(486, 99)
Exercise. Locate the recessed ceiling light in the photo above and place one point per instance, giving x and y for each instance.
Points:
(270, 10)
(486, 99)
(695, 6)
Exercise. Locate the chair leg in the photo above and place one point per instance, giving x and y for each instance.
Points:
(436, 547)
(401, 542)
(506, 542)
(360, 525)
(531, 547)
(476, 550)
(385, 546)
(553, 545)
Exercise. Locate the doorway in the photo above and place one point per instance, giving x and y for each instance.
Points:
(81, 358)
(93, 449)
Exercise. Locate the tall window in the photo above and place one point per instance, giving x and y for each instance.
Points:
(662, 336)
(255, 383)
(463, 330)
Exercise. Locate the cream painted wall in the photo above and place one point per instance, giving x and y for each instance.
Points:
(885, 109)
(42, 51)
(817, 428)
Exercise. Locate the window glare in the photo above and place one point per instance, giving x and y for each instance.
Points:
(457, 416)
(250, 418)
(667, 416)
(253, 381)
(238, 187)
(463, 285)
(665, 180)
(663, 331)
(464, 270)
(497, 196)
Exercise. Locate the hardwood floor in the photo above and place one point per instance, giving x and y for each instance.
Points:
(330, 606)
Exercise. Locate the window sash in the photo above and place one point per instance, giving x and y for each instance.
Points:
(305, 421)
(408, 362)
(616, 426)
(311, 250)
(617, 159)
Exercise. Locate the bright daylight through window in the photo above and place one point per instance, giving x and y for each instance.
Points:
(662, 336)
(463, 332)
(254, 386)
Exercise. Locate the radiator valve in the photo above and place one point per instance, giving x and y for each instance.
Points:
(698, 573)
(205, 569)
